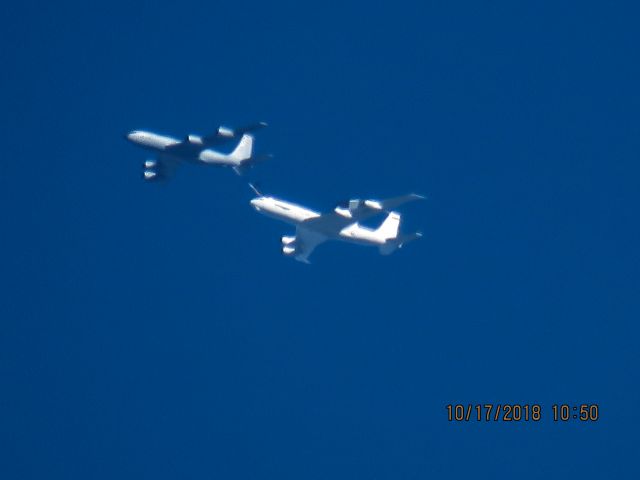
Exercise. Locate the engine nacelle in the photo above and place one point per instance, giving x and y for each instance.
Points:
(150, 174)
(150, 164)
(343, 212)
(374, 204)
(288, 250)
(288, 240)
(346, 209)
(195, 139)
(225, 132)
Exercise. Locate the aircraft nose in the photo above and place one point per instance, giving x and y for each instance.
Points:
(255, 203)
(132, 136)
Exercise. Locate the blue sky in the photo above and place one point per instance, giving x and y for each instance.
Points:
(155, 331)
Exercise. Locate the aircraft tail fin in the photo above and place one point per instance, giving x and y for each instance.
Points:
(392, 245)
(390, 231)
(244, 150)
(390, 226)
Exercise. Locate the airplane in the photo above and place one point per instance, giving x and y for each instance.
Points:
(314, 228)
(197, 149)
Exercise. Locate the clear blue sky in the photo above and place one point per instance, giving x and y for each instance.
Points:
(155, 331)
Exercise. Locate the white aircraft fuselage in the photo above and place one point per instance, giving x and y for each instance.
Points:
(288, 212)
(151, 141)
(296, 215)
(314, 228)
(193, 149)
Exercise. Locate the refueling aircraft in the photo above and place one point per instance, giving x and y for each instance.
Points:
(170, 152)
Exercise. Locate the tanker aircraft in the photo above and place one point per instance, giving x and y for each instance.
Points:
(170, 152)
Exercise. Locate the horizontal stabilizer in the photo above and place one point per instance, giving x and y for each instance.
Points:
(404, 239)
(259, 158)
(392, 245)
(391, 203)
(249, 128)
(247, 164)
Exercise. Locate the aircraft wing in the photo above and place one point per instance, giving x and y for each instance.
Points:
(329, 223)
(179, 149)
(239, 131)
(355, 211)
(393, 203)
(306, 242)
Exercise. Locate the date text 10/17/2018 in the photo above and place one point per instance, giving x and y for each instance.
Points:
(498, 412)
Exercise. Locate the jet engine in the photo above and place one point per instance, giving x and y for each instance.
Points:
(374, 204)
(150, 175)
(288, 240)
(288, 250)
(225, 132)
(150, 164)
(194, 139)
